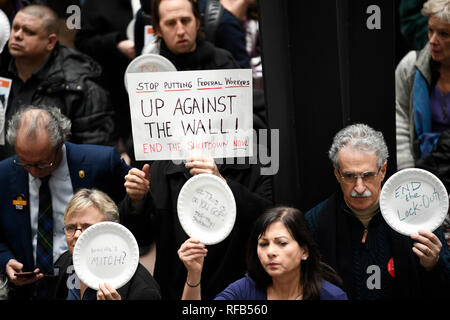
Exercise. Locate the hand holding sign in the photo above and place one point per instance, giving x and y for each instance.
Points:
(192, 253)
(106, 252)
(413, 199)
(203, 164)
(206, 208)
(106, 292)
(427, 248)
(178, 114)
(137, 183)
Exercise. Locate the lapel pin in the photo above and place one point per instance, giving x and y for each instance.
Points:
(19, 202)
(81, 173)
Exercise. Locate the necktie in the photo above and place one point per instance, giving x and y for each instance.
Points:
(44, 248)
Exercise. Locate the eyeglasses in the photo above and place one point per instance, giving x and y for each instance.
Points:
(38, 166)
(352, 178)
(70, 230)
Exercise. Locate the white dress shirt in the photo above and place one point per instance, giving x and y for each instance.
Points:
(61, 190)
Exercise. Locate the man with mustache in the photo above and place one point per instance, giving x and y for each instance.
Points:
(374, 261)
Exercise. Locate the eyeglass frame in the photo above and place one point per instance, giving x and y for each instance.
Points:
(360, 175)
(38, 166)
(82, 229)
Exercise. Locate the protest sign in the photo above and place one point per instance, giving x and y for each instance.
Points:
(5, 88)
(178, 114)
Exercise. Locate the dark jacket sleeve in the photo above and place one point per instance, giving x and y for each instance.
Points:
(142, 286)
(231, 36)
(92, 118)
(138, 220)
(252, 200)
(96, 37)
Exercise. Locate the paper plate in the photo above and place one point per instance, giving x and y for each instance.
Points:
(130, 29)
(413, 199)
(106, 252)
(5, 30)
(206, 208)
(149, 62)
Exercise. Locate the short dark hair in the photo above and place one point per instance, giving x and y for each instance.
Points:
(155, 12)
(47, 15)
(313, 270)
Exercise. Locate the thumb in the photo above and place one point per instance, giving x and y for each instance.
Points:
(146, 170)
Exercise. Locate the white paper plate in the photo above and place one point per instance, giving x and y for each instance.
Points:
(5, 30)
(149, 62)
(106, 252)
(130, 29)
(413, 199)
(206, 208)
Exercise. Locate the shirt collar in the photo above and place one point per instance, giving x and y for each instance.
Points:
(61, 172)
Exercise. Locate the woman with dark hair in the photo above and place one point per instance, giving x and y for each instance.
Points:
(283, 263)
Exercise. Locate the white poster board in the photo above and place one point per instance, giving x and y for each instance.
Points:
(5, 88)
(178, 114)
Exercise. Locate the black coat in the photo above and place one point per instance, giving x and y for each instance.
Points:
(158, 222)
(205, 57)
(338, 235)
(66, 81)
(142, 286)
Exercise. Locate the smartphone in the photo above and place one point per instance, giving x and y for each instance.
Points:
(29, 274)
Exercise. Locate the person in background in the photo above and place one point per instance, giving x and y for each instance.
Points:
(177, 22)
(374, 261)
(103, 37)
(283, 263)
(86, 208)
(43, 72)
(36, 185)
(150, 212)
(177, 25)
(422, 101)
(413, 25)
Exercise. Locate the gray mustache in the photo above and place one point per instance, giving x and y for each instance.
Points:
(365, 194)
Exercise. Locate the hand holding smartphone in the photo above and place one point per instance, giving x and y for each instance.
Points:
(26, 275)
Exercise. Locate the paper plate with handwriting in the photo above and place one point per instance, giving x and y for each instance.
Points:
(206, 208)
(5, 29)
(106, 252)
(413, 199)
(149, 62)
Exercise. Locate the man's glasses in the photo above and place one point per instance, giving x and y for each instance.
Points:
(352, 178)
(38, 166)
(70, 230)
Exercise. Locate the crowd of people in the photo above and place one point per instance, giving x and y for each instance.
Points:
(68, 163)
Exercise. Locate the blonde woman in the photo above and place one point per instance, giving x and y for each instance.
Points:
(86, 208)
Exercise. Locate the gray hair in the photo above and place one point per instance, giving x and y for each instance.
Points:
(50, 118)
(438, 8)
(359, 137)
(86, 198)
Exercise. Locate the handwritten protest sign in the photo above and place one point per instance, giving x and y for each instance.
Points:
(413, 199)
(178, 114)
(106, 252)
(5, 87)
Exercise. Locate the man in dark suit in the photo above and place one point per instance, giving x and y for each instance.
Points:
(43, 157)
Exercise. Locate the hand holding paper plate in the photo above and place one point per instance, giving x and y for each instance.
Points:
(413, 199)
(206, 208)
(106, 252)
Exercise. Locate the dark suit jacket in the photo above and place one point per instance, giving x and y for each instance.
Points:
(103, 169)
